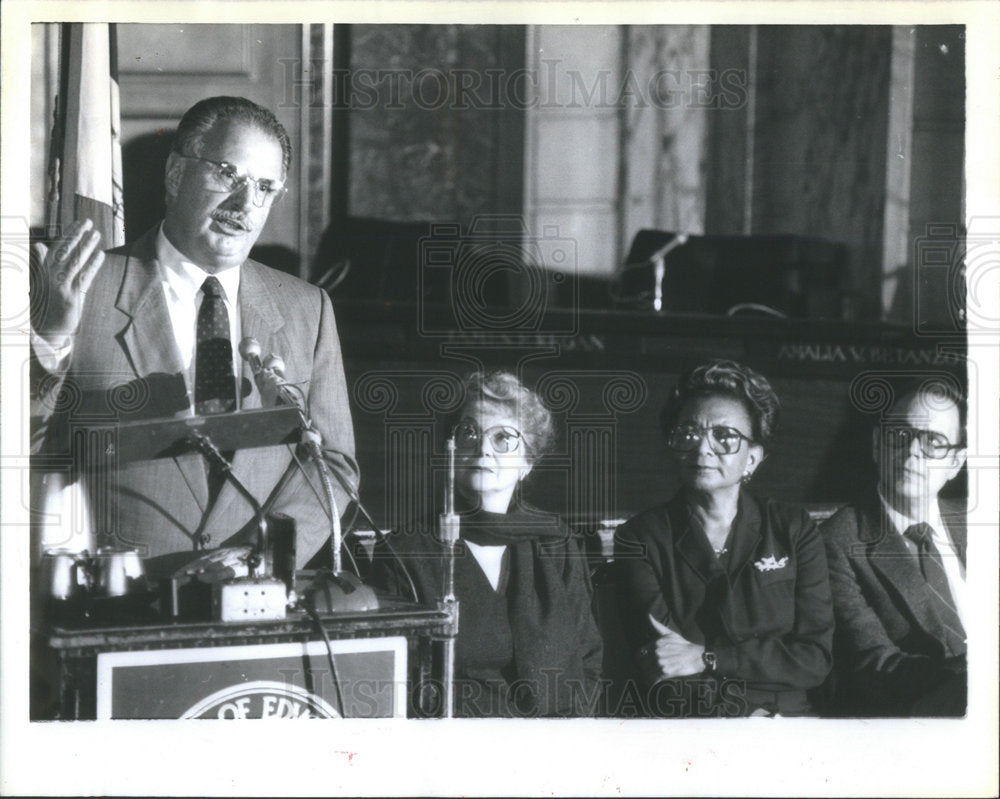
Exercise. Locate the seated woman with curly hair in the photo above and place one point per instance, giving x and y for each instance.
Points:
(725, 596)
(527, 642)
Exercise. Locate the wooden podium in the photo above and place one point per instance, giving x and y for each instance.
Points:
(148, 668)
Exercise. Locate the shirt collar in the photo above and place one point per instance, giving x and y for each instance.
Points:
(185, 278)
(902, 522)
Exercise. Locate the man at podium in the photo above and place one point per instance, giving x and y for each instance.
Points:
(153, 330)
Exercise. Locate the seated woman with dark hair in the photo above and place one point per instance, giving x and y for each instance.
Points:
(725, 597)
(527, 642)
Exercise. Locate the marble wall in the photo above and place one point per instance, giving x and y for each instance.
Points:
(431, 136)
(819, 143)
(616, 139)
(588, 133)
(664, 131)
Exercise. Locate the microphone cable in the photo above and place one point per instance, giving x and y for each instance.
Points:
(334, 675)
(272, 369)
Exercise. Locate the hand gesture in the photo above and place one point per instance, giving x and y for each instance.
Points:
(670, 655)
(68, 269)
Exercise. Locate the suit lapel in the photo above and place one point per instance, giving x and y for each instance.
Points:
(141, 299)
(691, 544)
(146, 340)
(953, 514)
(746, 535)
(260, 317)
(890, 557)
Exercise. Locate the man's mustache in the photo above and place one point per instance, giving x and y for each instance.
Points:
(233, 220)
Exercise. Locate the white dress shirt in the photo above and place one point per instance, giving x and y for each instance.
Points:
(953, 568)
(181, 281)
(490, 560)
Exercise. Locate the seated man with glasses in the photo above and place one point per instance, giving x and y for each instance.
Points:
(897, 566)
(153, 329)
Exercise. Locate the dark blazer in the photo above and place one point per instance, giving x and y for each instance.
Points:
(889, 644)
(557, 671)
(125, 366)
(771, 628)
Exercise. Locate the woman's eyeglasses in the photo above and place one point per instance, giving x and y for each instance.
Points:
(503, 439)
(227, 178)
(933, 445)
(723, 440)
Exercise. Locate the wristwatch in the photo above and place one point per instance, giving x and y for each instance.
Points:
(708, 658)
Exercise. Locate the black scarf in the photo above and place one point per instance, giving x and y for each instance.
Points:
(519, 524)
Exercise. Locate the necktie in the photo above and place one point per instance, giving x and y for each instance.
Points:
(932, 568)
(214, 382)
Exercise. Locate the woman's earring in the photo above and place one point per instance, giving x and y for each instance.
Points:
(747, 477)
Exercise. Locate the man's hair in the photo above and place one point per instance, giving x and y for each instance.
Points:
(939, 391)
(204, 115)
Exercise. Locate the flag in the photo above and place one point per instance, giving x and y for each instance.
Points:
(86, 167)
(89, 151)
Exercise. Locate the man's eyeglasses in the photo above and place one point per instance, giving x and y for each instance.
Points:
(227, 178)
(503, 439)
(933, 445)
(723, 440)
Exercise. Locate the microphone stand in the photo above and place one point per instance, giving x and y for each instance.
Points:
(231, 601)
(311, 443)
(449, 526)
(258, 553)
(659, 267)
(338, 590)
(658, 261)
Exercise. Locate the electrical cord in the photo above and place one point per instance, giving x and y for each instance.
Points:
(755, 306)
(311, 444)
(326, 508)
(335, 676)
(380, 535)
(359, 508)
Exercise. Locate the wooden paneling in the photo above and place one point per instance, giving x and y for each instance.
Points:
(163, 59)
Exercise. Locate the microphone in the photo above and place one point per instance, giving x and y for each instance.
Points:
(269, 375)
(335, 590)
(250, 352)
(660, 268)
(659, 254)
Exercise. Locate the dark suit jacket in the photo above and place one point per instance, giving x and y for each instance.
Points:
(562, 658)
(125, 366)
(889, 644)
(771, 628)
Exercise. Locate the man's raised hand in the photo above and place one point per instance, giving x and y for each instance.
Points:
(68, 268)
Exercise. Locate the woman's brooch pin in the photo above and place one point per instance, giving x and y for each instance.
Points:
(770, 563)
